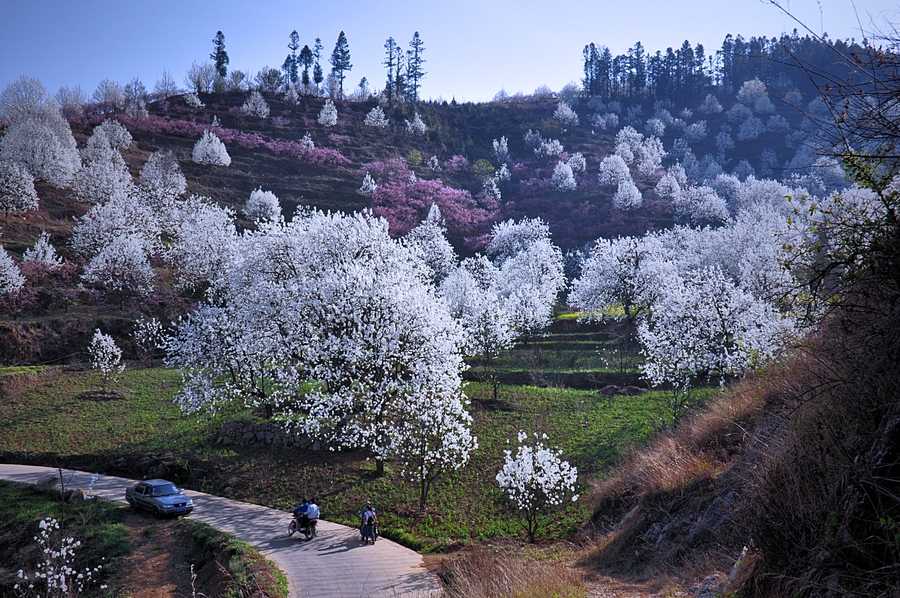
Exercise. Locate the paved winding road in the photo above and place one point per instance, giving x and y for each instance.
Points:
(334, 564)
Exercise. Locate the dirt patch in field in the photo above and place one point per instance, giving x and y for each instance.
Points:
(158, 567)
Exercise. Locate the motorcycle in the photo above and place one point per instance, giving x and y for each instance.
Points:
(309, 530)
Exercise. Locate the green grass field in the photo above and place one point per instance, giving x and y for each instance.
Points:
(53, 415)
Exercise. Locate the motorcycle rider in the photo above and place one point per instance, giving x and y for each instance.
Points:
(306, 512)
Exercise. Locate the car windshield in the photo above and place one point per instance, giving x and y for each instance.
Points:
(165, 490)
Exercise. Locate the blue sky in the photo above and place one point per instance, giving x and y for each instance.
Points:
(473, 47)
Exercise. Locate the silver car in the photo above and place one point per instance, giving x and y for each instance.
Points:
(160, 497)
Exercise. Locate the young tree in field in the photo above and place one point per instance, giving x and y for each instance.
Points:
(340, 61)
(414, 71)
(11, 279)
(115, 133)
(292, 62)
(105, 357)
(328, 115)
(256, 105)
(536, 480)
(269, 79)
(219, 55)
(17, 193)
(368, 187)
(262, 205)
(471, 294)
(209, 149)
(24, 99)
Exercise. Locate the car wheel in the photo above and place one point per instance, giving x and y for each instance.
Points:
(157, 513)
(131, 504)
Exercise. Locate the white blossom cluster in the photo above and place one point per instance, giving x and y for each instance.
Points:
(193, 100)
(17, 192)
(500, 150)
(55, 574)
(11, 279)
(563, 179)
(368, 186)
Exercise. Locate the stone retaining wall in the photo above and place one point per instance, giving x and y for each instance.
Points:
(239, 433)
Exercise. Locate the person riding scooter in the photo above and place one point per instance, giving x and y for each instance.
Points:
(306, 512)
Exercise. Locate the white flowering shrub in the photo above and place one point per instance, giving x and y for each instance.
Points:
(209, 149)
(105, 356)
(55, 576)
(533, 140)
(655, 126)
(435, 164)
(43, 146)
(368, 186)
(696, 131)
(577, 162)
(565, 115)
(114, 132)
(262, 205)
(292, 96)
(536, 480)
(500, 150)
(148, 335)
(43, 252)
(17, 193)
(256, 105)
(608, 120)
(753, 94)
(306, 142)
(328, 116)
(750, 129)
(549, 148)
(627, 196)
(613, 170)
(491, 189)
(376, 118)
(563, 179)
(503, 173)
(417, 126)
(710, 105)
(193, 100)
(11, 279)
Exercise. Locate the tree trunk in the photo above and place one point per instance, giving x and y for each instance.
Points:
(379, 467)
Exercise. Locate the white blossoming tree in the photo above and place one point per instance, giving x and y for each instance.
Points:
(104, 173)
(122, 267)
(536, 480)
(500, 150)
(209, 149)
(256, 105)
(162, 184)
(55, 576)
(106, 357)
(328, 116)
(17, 193)
(262, 205)
(11, 280)
(376, 118)
(332, 300)
(563, 179)
(627, 196)
(565, 115)
(368, 186)
(42, 252)
(416, 126)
